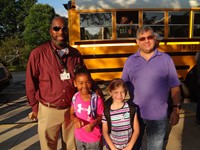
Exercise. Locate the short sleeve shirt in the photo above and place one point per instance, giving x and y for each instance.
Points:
(82, 111)
(121, 130)
(150, 82)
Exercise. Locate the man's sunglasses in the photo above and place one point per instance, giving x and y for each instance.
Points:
(57, 28)
(151, 37)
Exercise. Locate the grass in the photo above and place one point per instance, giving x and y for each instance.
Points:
(16, 68)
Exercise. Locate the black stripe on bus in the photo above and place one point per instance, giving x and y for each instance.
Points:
(134, 41)
(128, 54)
(183, 67)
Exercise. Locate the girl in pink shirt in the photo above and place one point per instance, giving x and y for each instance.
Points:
(86, 112)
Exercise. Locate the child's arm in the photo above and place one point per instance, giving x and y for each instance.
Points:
(107, 136)
(135, 134)
(89, 127)
(97, 121)
(77, 122)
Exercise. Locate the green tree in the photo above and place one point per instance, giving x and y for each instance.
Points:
(11, 48)
(22, 12)
(37, 25)
(12, 15)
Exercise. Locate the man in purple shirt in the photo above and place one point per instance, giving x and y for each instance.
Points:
(49, 86)
(151, 76)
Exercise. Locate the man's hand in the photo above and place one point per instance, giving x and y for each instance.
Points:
(32, 116)
(174, 118)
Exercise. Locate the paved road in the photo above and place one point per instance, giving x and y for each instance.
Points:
(17, 132)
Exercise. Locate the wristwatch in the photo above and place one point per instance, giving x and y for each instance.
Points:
(177, 106)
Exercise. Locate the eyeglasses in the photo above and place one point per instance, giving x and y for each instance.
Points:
(57, 28)
(151, 37)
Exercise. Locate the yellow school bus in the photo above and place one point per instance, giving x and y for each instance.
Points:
(104, 31)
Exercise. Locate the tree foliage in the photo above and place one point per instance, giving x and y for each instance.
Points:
(23, 26)
(12, 15)
(11, 46)
(37, 25)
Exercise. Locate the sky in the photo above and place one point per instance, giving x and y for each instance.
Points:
(57, 5)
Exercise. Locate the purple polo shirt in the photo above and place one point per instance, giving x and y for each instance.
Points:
(150, 82)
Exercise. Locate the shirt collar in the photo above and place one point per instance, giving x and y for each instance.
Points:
(61, 52)
(156, 53)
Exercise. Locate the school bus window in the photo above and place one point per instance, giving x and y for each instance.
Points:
(196, 31)
(179, 24)
(155, 20)
(95, 26)
(127, 24)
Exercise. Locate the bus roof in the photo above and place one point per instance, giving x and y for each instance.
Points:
(134, 4)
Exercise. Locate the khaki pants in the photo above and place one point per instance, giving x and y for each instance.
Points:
(50, 122)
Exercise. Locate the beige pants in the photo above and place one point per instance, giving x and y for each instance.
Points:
(50, 122)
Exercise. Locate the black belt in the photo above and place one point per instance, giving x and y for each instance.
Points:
(50, 105)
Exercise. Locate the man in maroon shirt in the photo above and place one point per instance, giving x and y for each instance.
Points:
(49, 86)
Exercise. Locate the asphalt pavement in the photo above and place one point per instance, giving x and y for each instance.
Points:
(17, 132)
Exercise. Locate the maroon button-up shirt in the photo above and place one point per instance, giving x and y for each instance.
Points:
(43, 83)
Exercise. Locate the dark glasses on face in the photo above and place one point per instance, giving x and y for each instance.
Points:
(56, 29)
(151, 37)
